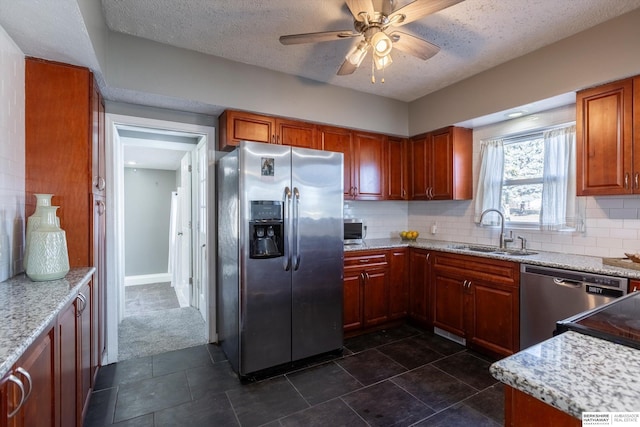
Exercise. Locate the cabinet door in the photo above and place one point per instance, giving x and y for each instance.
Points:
(296, 134)
(85, 348)
(419, 287)
(68, 365)
(340, 140)
(99, 280)
(38, 361)
(98, 162)
(493, 321)
(440, 163)
(604, 147)
(448, 302)
(636, 135)
(236, 126)
(369, 151)
(396, 169)
(420, 170)
(376, 296)
(398, 284)
(352, 299)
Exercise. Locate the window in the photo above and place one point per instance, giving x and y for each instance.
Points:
(522, 179)
(531, 178)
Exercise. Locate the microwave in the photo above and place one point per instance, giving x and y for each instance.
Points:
(354, 231)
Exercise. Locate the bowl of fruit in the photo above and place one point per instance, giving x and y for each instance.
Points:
(409, 235)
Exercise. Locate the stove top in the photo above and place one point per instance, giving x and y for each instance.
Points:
(617, 321)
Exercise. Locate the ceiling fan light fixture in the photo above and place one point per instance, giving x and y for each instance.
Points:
(357, 54)
(381, 44)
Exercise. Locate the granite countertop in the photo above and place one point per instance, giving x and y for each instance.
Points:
(27, 308)
(549, 259)
(576, 373)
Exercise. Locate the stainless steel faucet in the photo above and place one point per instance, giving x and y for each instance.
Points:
(503, 240)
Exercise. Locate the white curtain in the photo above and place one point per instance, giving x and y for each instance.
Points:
(561, 209)
(489, 191)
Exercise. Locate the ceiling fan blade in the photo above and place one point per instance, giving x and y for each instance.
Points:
(413, 45)
(346, 68)
(419, 9)
(357, 6)
(325, 36)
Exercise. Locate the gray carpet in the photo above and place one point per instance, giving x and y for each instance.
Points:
(154, 323)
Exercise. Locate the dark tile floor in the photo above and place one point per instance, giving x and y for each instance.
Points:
(397, 377)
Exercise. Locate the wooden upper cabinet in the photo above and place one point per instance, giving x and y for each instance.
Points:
(368, 166)
(604, 140)
(297, 134)
(59, 130)
(339, 140)
(396, 169)
(98, 151)
(441, 163)
(236, 126)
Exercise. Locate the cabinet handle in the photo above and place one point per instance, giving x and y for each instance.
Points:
(364, 261)
(101, 207)
(464, 284)
(404, 193)
(25, 374)
(636, 181)
(83, 300)
(101, 183)
(626, 181)
(17, 382)
(428, 256)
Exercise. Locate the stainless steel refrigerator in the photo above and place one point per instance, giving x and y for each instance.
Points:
(280, 255)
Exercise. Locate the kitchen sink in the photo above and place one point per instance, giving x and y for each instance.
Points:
(493, 250)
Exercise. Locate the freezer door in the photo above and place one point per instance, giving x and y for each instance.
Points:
(317, 252)
(265, 283)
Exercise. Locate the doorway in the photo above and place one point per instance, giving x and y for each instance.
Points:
(187, 231)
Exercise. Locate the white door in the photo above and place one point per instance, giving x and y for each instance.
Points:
(184, 230)
(201, 261)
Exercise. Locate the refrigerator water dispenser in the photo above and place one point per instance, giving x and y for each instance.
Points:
(266, 229)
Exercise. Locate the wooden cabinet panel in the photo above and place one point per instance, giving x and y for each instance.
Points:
(448, 303)
(99, 282)
(58, 131)
(493, 317)
(340, 140)
(36, 370)
(604, 140)
(398, 283)
(396, 169)
(376, 296)
(441, 165)
(98, 148)
(85, 347)
(236, 126)
(478, 299)
(369, 154)
(297, 134)
(68, 362)
(523, 410)
(420, 287)
(366, 290)
(352, 302)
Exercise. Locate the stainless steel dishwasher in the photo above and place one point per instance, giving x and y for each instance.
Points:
(551, 294)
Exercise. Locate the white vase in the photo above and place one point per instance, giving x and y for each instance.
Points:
(33, 222)
(48, 258)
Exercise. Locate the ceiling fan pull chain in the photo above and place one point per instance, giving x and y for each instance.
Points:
(373, 71)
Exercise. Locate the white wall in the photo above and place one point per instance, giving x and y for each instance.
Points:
(12, 157)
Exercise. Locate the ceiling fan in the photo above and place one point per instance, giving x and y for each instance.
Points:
(374, 24)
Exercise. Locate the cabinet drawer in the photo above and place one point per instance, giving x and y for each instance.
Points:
(492, 270)
(365, 258)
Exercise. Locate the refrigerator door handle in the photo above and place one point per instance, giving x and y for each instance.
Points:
(296, 234)
(286, 199)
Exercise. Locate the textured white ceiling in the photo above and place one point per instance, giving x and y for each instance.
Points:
(474, 35)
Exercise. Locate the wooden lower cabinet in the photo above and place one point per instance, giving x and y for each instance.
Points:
(68, 364)
(522, 410)
(398, 283)
(366, 290)
(420, 287)
(36, 370)
(478, 299)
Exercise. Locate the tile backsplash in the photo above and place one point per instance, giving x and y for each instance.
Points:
(12, 157)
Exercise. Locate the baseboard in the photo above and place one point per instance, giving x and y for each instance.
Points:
(145, 279)
(449, 336)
